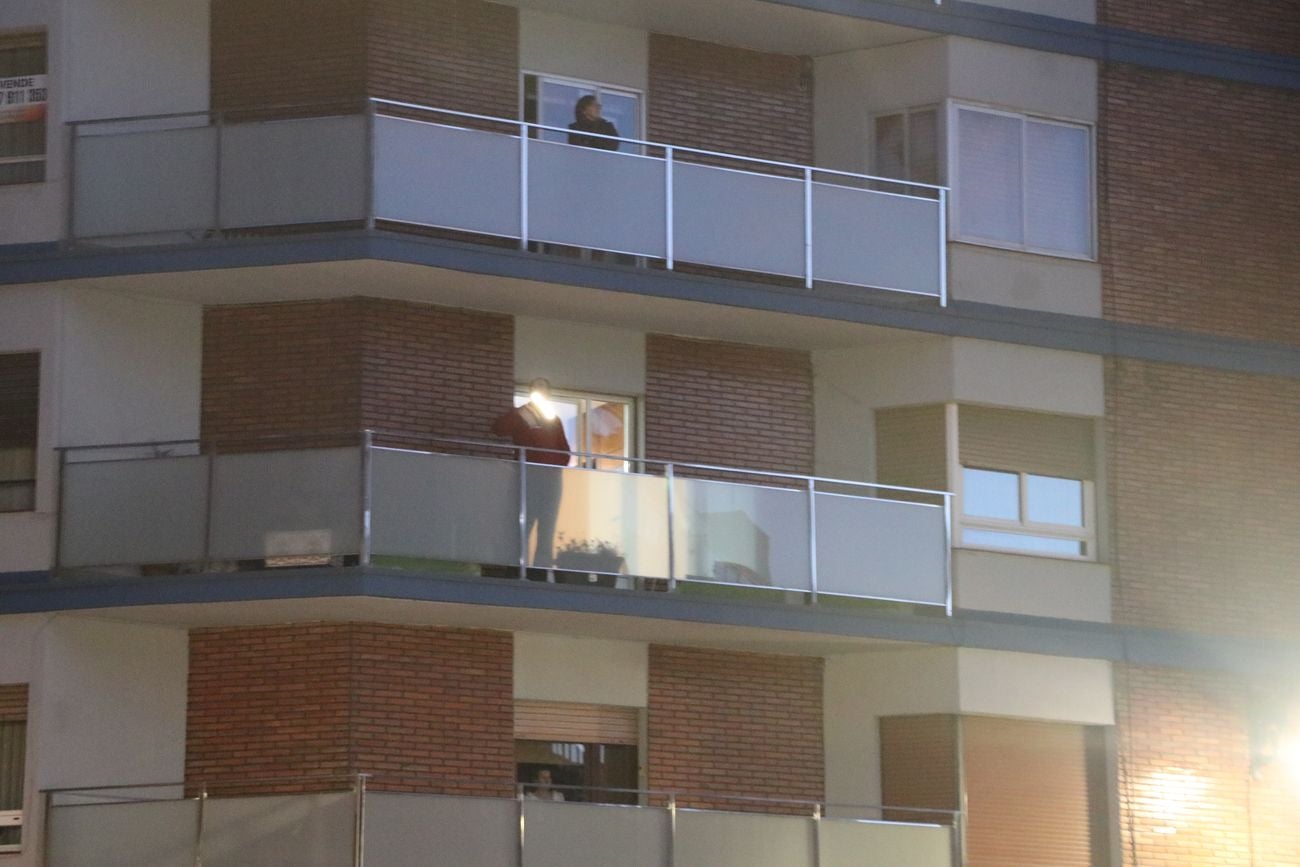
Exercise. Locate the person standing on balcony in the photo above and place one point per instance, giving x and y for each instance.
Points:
(541, 789)
(537, 427)
(586, 120)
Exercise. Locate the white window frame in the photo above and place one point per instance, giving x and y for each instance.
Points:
(11, 819)
(954, 196)
(44, 156)
(634, 443)
(598, 87)
(941, 124)
(1086, 535)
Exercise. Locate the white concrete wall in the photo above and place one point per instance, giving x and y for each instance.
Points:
(581, 670)
(114, 369)
(107, 58)
(1031, 686)
(1022, 79)
(1034, 586)
(579, 356)
(106, 706)
(1029, 280)
(583, 49)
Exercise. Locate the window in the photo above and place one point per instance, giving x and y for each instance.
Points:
(23, 97)
(549, 100)
(1025, 512)
(577, 752)
(1022, 182)
(595, 425)
(19, 382)
(13, 751)
(906, 145)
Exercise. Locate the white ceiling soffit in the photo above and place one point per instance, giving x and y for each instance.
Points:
(752, 24)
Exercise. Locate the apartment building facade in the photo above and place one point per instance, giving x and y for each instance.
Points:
(929, 372)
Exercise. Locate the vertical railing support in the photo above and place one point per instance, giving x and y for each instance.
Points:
(672, 541)
(947, 553)
(669, 251)
(812, 540)
(523, 514)
(523, 186)
(208, 497)
(198, 825)
(220, 118)
(817, 835)
(58, 510)
(807, 228)
(943, 247)
(367, 494)
(372, 166)
(359, 832)
(71, 228)
(47, 805)
(672, 829)
(519, 800)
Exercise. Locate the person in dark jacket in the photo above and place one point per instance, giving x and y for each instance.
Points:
(587, 119)
(537, 426)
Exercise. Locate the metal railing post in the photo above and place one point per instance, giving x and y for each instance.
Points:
(208, 497)
(519, 799)
(947, 554)
(812, 540)
(371, 153)
(359, 833)
(217, 163)
(198, 826)
(523, 186)
(523, 514)
(58, 510)
(672, 542)
(71, 227)
(47, 806)
(943, 247)
(817, 835)
(367, 486)
(807, 229)
(669, 252)
(672, 829)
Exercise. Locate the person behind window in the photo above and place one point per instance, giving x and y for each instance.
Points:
(587, 119)
(541, 789)
(536, 426)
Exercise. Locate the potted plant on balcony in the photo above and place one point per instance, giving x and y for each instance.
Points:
(588, 561)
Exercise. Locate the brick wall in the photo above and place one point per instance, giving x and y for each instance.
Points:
(457, 54)
(1205, 488)
(13, 702)
(1185, 790)
(1262, 25)
(1198, 224)
(735, 723)
(290, 52)
(425, 709)
(729, 404)
(730, 99)
(349, 363)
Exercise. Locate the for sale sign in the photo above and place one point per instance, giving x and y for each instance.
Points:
(23, 98)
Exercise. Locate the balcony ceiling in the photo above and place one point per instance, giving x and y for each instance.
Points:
(752, 24)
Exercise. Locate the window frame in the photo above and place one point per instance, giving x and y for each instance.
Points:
(597, 87)
(15, 40)
(952, 138)
(630, 461)
(32, 449)
(15, 818)
(1086, 534)
(940, 139)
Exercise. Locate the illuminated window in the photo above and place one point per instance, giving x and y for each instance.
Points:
(23, 98)
(595, 425)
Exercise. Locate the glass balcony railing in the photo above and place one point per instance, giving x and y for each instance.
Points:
(478, 508)
(159, 826)
(402, 165)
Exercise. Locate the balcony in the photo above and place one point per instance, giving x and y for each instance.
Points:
(155, 825)
(406, 167)
(464, 507)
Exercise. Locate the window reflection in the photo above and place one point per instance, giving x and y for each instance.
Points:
(991, 494)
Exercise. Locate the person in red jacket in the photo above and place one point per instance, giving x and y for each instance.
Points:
(538, 428)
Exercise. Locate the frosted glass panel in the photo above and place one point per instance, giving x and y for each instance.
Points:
(275, 831)
(627, 512)
(437, 175)
(160, 834)
(589, 835)
(145, 511)
(444, 507)
(272, 504)
(594, 198)
(989, 176)
(141, 182)
(868, 238)
(846, 843)
(1058, 174)
(738, 219)
(420, 830)
(882, 548)
(740, 840)
(293, 171)
(741, 534)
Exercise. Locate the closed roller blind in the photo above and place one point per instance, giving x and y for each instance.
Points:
(918, 765)
(910, 447)
(1030, 442)
(1026, 793)
(575, 723)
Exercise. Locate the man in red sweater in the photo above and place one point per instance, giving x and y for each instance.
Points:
(536, 426)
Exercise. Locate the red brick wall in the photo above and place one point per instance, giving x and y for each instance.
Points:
(457, 54)
(1205, 484)
(1262, 25)
(1185, 791)
(290, 52)
(730, 99)
(350, 363)
(728, 403)
(1198, 221)
(13, 702)
(421, 708)
(735, 723)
